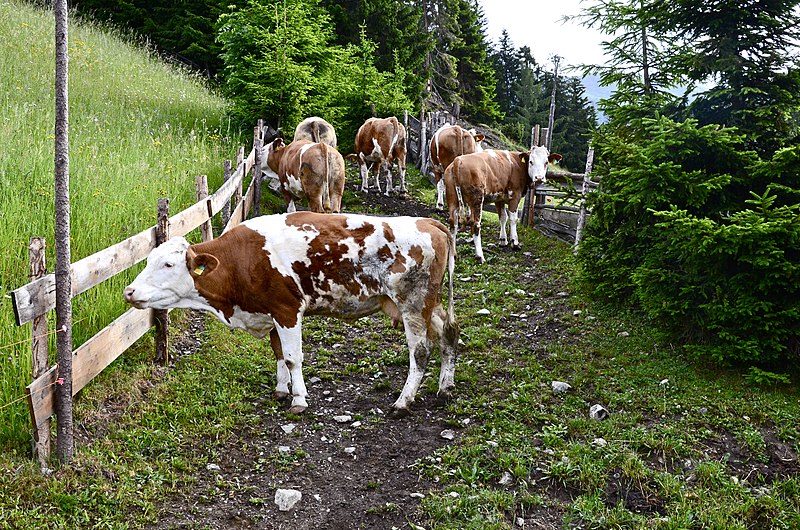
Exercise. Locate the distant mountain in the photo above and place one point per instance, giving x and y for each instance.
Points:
(595, 92)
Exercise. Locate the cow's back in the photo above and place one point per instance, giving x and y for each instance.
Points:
(315, 129)
(492, 170)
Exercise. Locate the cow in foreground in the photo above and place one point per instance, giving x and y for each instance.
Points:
(380, 142)
(315, 129)
(266, 274)
(448, 142)
(306, 169)
(502, 176)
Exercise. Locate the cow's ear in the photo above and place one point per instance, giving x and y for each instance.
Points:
(554, 158)
(480, 137)
(523, 157)
(201, 264)
(277, 143)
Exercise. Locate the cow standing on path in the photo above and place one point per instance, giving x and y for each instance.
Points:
(306, 169)
(504, 177)
(266, 274)
(380, 142)
(448, 142)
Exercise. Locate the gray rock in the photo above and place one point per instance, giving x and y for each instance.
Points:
(286, 499)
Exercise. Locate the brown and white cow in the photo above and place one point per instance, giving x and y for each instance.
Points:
(502, 176)
(266, 274)
(315, 129)
(448, 142)
(306, 169)
(380, 142)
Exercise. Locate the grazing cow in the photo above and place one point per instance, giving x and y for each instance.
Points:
(264, 275)
(313, 170)
(504, 177)
(316, 130)
(448, 142)
(381, 141)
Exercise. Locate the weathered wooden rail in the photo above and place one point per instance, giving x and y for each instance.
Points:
(33, 301)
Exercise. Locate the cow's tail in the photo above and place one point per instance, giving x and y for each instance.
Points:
(315, 131)
(326, 182)
(451, 330)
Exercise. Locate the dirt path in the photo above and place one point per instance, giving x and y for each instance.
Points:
(354, 466)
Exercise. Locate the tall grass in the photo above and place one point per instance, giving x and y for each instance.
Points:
(139, 130)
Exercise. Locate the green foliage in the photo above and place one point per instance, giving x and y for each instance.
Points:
(674, 232)
(280, 65)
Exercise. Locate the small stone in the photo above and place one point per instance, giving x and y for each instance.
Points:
(492, 443)
(284, 449)
(562, 294)
(286, 499)
(597, 412)
(577, 312)
(344, 418)
(465, 279)
(418, 495)
(454, 494)
(663, 382)
(288, 428)
(520, 292)
(349, 450)
(448, 434)
(520, 522)
(506, 479)
(559, 387)
(355, 424)
(213, 467)
(623, 334)
(599, 442)
(483, 311)
(314, 380)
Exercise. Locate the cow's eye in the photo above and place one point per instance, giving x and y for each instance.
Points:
(169, 265)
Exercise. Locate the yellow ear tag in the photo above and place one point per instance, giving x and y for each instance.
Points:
(199, 270)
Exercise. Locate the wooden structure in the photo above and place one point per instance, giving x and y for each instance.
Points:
(33, 301)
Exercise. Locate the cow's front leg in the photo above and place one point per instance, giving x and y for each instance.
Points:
(440, 193)
(291, 340)
(281, 372)
(475, 213)
(502, 211)
(514, 239)
(362, 168)
(402, 171)
(419, 351)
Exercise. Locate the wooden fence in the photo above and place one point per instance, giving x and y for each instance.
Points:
(34, 300)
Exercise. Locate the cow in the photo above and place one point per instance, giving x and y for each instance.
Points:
(306, 169)
(266, 274)
(315, 129)
(448, 142)
(380, 142)
(504, 177)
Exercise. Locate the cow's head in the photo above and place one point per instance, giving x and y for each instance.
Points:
(167, 281)
(537, 164)
(269, 164)
(478, 137)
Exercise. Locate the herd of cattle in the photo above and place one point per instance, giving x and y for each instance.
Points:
(267, 273)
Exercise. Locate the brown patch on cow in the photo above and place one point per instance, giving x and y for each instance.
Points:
(415, 252)
(243, 277)
(399, 264)
(388, 233)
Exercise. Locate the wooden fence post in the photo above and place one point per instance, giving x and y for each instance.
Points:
(423, 143)
(39, 362)
(257, 143)
(582, 213)
(530, 197)
(226, 176)
(237, 196)
(201, 187)
(162, 315)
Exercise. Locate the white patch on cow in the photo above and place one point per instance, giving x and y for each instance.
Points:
(292, 346)
(377, 153)
(257, 324)
(355, 222)
(285, 244)
(295, 185)
(492, 153)
(268, 172)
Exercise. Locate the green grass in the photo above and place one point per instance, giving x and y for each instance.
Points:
(139, 130)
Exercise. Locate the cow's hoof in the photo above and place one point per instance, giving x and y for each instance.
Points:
(398, 413)
(516, 246)
(446, 392)
(502, 242)
(280, 395)
(297, 409)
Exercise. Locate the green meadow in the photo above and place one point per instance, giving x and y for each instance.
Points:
(139, 130)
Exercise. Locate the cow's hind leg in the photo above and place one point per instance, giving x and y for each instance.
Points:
(475, 213)
(419, 348)
(447, 334)
(386, 169)
(502, 211)
(281, 372)
(291, 340)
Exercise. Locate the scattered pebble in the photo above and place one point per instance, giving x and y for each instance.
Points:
(349, 450)
(598, 412)
(314, 380)
(288, 428)
(344, 418)
(286, 499)
(623, 334)
(663, 382)
(559, 387)
(577, 312)
(213, 467)
(599, 442)
(284, 449)
(448, 434)
(418, 495)
(483, 311)
(506, 479)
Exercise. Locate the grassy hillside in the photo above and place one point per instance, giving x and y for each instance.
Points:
(138, 131)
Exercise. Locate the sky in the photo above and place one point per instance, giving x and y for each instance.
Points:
(537, 24)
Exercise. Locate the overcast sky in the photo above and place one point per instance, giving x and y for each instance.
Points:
(537, 24)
